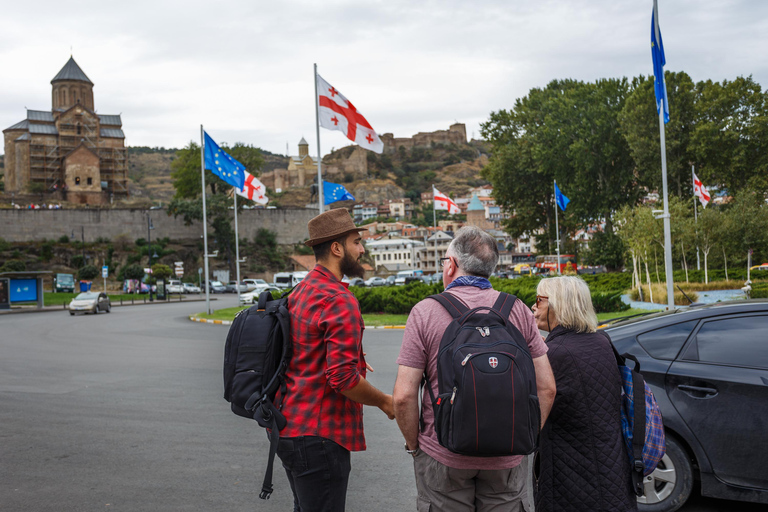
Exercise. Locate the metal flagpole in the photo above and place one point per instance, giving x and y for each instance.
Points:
(665, 216)
(237, 249)
(557, 230)
(434, 225)
(205, 223)
(695, 215)
(319, 157)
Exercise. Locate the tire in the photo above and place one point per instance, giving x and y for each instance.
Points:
(109, 308)
(71, 313)
(95, 310)
(670, 485)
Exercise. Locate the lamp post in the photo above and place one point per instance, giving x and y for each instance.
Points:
(149, 251)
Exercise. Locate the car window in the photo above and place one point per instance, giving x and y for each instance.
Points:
(666, 342)
(87, 296)
(738, 341)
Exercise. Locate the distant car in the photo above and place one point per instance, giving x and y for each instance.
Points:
(90, 302)
(253, 297)
(64, 283)
(174, 286)
(708, 369)
(391, 280)
(190, 288)
(356, 281)
(252, 284)
(232, 287)
(217, 287)
(375, 281)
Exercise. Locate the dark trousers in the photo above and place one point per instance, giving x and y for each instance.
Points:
(318, 471)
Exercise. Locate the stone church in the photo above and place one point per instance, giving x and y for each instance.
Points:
(69, 151)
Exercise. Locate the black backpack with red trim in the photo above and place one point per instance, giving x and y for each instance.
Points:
(487, 403)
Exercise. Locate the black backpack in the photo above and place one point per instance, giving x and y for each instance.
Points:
(256, 356)
(487, 403)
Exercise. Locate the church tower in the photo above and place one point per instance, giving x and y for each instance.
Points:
(72, 87)
(303, 148)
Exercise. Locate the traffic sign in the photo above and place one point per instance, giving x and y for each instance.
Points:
(104, 271)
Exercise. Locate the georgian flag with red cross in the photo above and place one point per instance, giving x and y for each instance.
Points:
(443, 202)
(337, 113)
(253, 189)
(700, 191)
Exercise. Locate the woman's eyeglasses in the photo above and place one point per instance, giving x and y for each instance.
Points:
(540, 298)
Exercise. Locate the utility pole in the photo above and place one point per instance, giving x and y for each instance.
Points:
(149, 251)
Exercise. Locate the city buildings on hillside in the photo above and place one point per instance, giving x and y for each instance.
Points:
(70, 151)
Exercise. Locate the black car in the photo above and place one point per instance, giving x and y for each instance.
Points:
(708, 369)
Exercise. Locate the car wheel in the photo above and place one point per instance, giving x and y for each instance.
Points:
(669, 486)
(71, 313)
(109, 308)
(95, 310)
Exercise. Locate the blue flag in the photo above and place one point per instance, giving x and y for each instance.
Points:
(560, 199)
(333, 192)
(659, 61)
(223, 165)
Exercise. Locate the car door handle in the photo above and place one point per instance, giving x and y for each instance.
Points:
(697, 390)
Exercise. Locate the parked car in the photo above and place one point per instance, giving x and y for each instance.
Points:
(217, 287)
(174, 286)
(708, 369)
(354, 281)
(90, 302)
(408, 276)
(375, 281)
(391, 280)
(232, 287)
(252, 284)
(253, 297)
(190, 288)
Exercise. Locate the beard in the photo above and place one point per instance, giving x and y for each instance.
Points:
(350, 266)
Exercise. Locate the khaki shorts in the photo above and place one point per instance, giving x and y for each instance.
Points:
(445, 489)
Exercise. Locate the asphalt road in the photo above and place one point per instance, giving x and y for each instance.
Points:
(124, 411)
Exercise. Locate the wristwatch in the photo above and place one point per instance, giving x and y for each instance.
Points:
(412, 453)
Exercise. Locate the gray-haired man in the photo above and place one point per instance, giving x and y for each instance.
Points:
(446, 480)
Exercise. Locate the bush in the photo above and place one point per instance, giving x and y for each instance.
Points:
(13, 266)
(88, 272)
(77, 261)
(46, 251)
(4, 246)
(160, 271)
(133, 272)
(608, 302)
(63, 239)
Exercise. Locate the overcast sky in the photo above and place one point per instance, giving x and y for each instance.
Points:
(244, 68)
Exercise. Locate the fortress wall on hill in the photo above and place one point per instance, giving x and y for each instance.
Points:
(30, 225)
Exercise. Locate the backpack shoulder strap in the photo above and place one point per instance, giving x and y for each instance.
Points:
(451, 303)
(504, 305)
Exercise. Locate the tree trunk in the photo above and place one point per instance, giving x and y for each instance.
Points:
(725, 260)
(685, 263)
(638, 281)
(648, 278)
(656, 262)
(706, 274)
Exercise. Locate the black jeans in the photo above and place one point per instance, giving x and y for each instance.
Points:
(318, 471)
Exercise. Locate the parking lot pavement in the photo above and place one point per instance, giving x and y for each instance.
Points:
(125, 412)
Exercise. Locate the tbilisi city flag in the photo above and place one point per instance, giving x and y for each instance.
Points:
(336, 112)
(443, 202)
(253, 189)
(700, 191)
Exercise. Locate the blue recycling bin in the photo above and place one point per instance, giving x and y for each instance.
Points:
(85, 286)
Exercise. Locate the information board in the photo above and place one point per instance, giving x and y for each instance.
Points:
(23, 290)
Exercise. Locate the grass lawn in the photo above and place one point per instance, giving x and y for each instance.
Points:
(379, 319)
(59, 298)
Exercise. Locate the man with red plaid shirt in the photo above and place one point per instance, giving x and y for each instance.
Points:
(325, 380)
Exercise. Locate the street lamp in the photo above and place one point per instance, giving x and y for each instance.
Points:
(149, 251)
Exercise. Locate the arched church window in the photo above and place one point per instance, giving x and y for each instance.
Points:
(79, 129)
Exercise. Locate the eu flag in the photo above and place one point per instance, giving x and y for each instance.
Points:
(333, 192)
(659, 61)
(223, 165)
(560, 199)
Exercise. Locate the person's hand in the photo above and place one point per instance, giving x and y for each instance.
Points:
(367, 366)
(388, 407)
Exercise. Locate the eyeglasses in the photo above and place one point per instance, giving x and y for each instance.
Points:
(539, 298)
(442, 261)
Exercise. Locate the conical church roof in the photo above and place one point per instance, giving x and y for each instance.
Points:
(71, 71)
(475, 204)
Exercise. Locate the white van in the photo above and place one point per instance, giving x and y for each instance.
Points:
(288, 279)
(408, 276)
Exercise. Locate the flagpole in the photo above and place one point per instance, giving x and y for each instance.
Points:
(695, 215)
(237, 249)
(205, 223)
(557, 230)
(319, 158)
(434, 225)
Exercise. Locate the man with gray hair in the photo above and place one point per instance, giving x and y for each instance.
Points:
(446, 480)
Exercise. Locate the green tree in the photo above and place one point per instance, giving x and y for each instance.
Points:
(87, 272)
(606, 248)
(746, 227)
(133, 272)
(161, 271)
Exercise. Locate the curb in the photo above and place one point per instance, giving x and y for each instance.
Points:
(229, 322)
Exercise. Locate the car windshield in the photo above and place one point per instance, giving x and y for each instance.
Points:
(216, 283)
(87, 296)
(65, 279)
(259, 281)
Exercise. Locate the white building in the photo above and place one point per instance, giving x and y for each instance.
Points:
(364, 211)
(434, 249)
(395, 252)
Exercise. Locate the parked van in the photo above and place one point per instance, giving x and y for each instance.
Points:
(64, 283)
(408, 276)
(288, 279)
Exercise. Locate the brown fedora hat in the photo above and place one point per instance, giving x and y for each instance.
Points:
(329, 226)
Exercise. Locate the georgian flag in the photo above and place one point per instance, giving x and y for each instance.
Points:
(443, 202)
(700, 191)
(336, 112)
(253, 189)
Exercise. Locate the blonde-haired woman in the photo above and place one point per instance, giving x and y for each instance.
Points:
(583, 464)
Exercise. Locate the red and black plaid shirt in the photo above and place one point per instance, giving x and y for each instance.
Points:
(327, 334)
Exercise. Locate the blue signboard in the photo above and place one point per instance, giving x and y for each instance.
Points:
(23, 290)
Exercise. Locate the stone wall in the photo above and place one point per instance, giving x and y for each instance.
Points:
(28, 225)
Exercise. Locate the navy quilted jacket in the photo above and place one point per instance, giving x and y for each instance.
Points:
(583, 464)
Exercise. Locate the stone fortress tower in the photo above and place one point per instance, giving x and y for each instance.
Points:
(70, 151)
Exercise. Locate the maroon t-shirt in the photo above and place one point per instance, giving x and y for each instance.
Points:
(421, 341)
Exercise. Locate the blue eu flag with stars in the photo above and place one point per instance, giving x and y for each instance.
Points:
(659, 61)
(333, 192)
(560, 198)
(223, 165)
